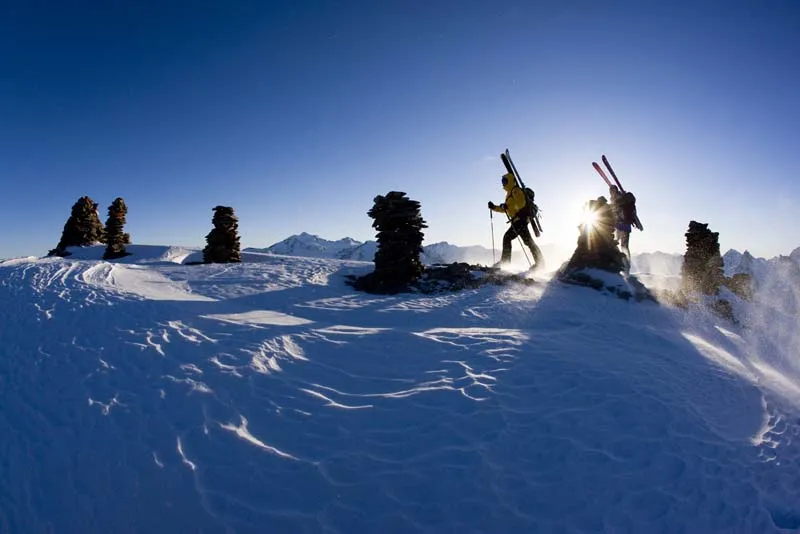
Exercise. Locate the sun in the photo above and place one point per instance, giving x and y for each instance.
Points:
(589, 218)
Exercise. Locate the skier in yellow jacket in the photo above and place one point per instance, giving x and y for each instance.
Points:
(518, 212)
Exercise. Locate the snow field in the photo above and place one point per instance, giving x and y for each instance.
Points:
(149, 395)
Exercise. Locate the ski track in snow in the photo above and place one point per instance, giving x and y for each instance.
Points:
(152, 397)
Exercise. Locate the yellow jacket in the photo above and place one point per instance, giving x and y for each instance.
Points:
(515, 197)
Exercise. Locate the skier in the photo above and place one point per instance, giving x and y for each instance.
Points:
(518, 212)
(624, 208)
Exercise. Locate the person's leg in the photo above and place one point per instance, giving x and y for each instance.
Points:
(508, 238)
(538, 259)
(624, 238)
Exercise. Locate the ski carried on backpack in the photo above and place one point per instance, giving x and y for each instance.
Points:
(529, 194)
(636, 222)
(601, 173)
(613, 174)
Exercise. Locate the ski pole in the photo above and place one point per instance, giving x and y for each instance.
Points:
(491, 223)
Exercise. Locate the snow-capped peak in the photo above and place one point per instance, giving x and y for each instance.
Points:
(310, 245)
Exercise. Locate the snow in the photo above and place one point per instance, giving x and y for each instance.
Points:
(658, 263)
(148, 395)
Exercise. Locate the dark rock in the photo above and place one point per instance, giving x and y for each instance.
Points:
(702, 268)
(626, 288)
(116, 238)
(222, 243)
(441, 278)
(597, 247)
(724, 309)
(399, 225)
(83, 228)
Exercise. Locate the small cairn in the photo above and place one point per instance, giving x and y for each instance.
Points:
(597, 247)
(703, 273)
(742, 285)
(82, 229)
(741, 282)
(399, 225)
(702, 268)
(116, 238)
(222, 243)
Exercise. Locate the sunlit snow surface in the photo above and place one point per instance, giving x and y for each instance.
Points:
(146, 395)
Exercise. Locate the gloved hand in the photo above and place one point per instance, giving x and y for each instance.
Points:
(491, 205)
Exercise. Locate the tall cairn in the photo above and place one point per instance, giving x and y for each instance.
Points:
(703, 269)
(83, 228)
(399, 224)
(222, 243)
(597, 247)
(116, 238)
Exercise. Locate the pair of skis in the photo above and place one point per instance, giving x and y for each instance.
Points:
(510, 167)
(603, 175)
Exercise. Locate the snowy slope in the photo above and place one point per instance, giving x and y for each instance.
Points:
(152, 396)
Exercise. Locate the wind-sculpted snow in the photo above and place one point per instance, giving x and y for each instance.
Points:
(268, 396)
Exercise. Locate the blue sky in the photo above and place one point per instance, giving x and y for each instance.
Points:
(298, 113)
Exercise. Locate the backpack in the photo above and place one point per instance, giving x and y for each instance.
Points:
(531, 210)
(627, 207)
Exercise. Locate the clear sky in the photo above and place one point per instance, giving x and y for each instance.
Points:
(298, 113)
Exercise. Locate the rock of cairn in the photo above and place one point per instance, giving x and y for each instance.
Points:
(83, 228)
(597, 247)
(399, 224)
(702, 268)
(222, 243)
(116, 238)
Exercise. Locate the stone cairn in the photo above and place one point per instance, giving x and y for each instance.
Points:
(702, 269)
(399, 225)
(116, 238)
(83, 228)
(222, 243)
(597, 247)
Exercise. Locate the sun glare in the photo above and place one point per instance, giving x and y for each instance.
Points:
(589, 218)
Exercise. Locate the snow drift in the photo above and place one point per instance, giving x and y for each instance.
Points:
(147, 395)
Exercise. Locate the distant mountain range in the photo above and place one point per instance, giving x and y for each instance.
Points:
(660, 263)
(308, 245)
(778, 277)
